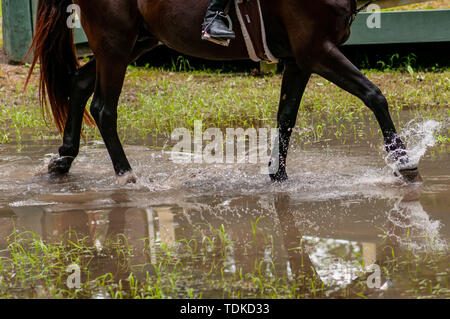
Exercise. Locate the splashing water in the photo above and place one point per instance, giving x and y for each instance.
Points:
(419, 136)
(423, 232)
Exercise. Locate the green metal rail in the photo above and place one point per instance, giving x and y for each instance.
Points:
(402, 27)
(18, 27)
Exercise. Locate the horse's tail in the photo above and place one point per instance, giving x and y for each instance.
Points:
(54, 48)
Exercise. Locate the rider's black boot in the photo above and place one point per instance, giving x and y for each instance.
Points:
(214, 25)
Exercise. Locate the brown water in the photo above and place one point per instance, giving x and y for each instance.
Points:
(341, 200)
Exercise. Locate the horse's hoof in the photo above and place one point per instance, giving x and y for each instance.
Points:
(127, 178)
(60, 165)
(279, 177)
(410, 175)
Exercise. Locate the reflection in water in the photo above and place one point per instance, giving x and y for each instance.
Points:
(298, 260)
(412, 227)
(296, 248)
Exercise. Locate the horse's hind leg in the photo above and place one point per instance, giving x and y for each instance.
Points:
(111, 69)
(335, 67)
(110, 77)
(292, 89)
(82, 87)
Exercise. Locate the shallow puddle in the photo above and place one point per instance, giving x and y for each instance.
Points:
(338, 212)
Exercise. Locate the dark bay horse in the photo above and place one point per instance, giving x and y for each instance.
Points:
(304, 33)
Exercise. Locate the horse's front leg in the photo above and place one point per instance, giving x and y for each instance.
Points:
(335, 67)
(82, 87)
(293, 87)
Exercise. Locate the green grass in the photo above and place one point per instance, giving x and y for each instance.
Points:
(194, 267)
(432, 5)
(156, 101)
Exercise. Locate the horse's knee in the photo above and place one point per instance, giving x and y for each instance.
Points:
(105, 118)
(95, 109)
(376, 101)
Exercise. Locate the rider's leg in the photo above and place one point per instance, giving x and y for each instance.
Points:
(214, 24)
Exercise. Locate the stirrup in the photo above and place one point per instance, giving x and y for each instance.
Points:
(206, 36)
(224, 42)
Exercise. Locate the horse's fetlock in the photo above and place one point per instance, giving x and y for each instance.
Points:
(68, 150)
